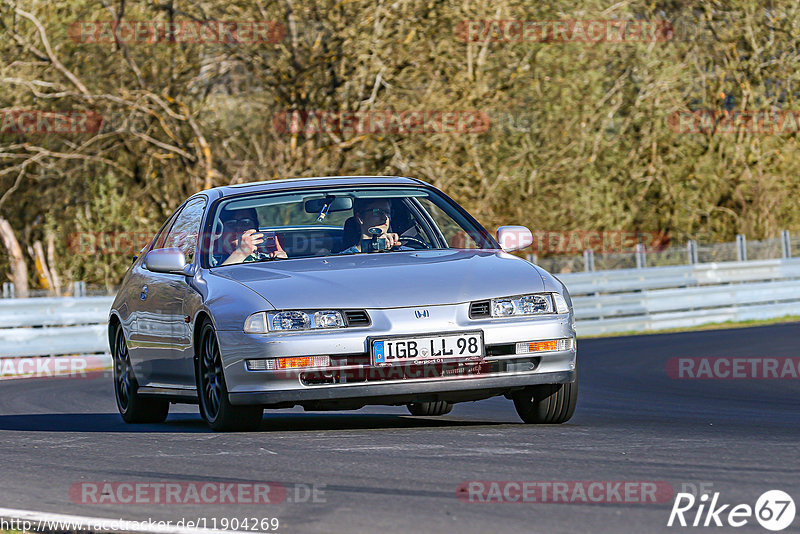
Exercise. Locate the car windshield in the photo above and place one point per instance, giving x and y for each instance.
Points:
(337, 221)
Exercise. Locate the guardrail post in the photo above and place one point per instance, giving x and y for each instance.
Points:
(691, 251)
(8, 290)
(741, 247)
(588, 260)
(78, 289)
(786, 244)
(640, 259)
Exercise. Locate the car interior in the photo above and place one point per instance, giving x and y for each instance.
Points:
(330, 225)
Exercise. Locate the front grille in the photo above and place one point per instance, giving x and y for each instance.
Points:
(479, 309)
(356, 318)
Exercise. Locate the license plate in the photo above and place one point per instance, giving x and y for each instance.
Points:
(427, 347)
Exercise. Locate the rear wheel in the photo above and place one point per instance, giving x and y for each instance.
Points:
(133, 407)
(547, 403)
(430, 408)
(212, 391)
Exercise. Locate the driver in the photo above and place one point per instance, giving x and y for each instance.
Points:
(373, 213)
(240, 239)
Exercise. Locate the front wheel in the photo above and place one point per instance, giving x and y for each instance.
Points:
(547, 403)
(212, 391)
(132, 407)
(430, 408)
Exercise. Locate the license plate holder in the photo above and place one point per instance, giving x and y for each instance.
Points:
(433, 347)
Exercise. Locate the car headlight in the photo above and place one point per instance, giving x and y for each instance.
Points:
(256, 323)
(561, 303)
(263, 322)
(289, 320)
(328, 319)
(535, 304)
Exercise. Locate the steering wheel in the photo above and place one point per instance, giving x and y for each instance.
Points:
(413, 240)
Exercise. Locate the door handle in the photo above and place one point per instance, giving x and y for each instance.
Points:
(143, 294)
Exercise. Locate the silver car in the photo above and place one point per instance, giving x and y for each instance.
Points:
(332, 294)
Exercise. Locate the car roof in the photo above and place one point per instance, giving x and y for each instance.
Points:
(321, 181)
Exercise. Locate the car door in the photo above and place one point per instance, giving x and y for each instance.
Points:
(137, 291)
(163, 335)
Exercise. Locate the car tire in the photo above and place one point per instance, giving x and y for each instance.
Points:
(212, 392)
(547, 403)
(430, 408)
(133, 407)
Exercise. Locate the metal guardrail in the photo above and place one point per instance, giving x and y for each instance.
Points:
(604, 301)
(622, 280)
(613, 250)
(54, 311)
(53, 326)
(658, 298)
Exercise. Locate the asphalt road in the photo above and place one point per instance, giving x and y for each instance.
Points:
(382, 470)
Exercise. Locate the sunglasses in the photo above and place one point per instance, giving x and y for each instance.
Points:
(376, 211)
(241, 223)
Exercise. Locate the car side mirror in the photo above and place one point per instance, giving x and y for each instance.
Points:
(165, 260)
(513, 238)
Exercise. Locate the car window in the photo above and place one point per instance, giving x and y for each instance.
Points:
(409, 222)
(158, 242)
(454, 234)
(334, 221)
(185, 229)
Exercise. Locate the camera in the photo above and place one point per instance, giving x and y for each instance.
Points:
(376, 244)
(268, 244)
(373, 245)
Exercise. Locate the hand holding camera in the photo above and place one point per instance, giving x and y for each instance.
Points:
(380, 241)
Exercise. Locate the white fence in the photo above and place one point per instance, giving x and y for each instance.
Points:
(605, 302)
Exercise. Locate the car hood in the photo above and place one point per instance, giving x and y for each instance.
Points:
(387, 280)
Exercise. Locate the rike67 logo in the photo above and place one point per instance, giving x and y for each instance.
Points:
(774, 510)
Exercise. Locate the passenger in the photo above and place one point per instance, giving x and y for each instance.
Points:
(240, 239)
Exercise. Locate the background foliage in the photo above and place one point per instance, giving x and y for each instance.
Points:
(579, 136)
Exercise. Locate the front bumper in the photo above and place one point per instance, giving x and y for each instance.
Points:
(402, 392)
(501, 371)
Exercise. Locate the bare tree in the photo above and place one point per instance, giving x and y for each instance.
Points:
(19, 270)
